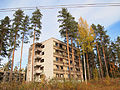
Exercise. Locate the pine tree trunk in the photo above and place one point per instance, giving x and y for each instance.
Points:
(85, 68)
(99, 60)
(104, 57)
(33, 55)
(88, 69)
(105, 61)
(93, 65)
(13, 58)
(21, 58)
(0, 47)
(73, 58)
(80, 66)
(68, 53)
(1, 44)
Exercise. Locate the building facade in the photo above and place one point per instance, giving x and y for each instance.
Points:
(5, 76)
(51, 60)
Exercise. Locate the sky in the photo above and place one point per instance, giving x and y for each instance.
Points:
(109, 17)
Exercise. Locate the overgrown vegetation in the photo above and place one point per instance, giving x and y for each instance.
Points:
(104, 84)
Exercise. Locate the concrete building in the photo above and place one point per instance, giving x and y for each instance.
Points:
(51, 60)
(5, 76)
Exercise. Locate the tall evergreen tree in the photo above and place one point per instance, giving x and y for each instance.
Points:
(103, 41)
(66, 21)
(118, 49)
(4, 36)
(97, 48)
(72, 33)
(24, 33)
(18, 17)
(35, 33)
(79, 57)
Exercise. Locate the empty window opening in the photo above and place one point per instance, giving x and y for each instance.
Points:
(57, 66)
(42, 60)
(41, 68)
(42, 46)
(56, 58)
(61, 60)
(61, 46)
(37, 52)
(57, 51)
(37, 59)
(70, 49)
(70, 55)
(77, 69)
(57, 75)
(61, 52)
(41, 76)
(56, 44)
(78, 76)
(61, 75)
(75, 51)
(72, 75)
(61, 67)
(67, 68)
(42, 53)
(67, 62)
(38, 45)
(68, 75)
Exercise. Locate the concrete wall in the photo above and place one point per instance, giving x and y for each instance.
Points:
(29, 66)
(48, 58)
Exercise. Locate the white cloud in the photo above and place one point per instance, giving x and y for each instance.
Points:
(99, 15)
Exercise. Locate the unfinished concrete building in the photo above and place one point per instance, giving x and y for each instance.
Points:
(5, 76)
(51, 60)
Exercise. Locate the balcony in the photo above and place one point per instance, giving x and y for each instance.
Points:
(37, 59)
(59, 62)
(77, 71)
(37, 78)
(59, 54)
(38, 45)
(37, 64)
(59, 70)
(37, 48)
(59, 47)
(38, 52)
(38, 71)
(38, 56)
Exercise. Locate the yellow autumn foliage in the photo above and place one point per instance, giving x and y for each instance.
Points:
(85, 36)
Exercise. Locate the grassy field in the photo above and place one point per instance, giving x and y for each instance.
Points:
(104, 84)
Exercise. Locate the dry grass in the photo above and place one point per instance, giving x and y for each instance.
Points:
(104, 84)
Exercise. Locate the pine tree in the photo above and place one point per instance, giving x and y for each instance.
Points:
(118, 49)
(5, 36)
(79, 58)
(24, 33)
(66, 20)
(102, 34)
(97, 46)
(18, 16)
(35, 33)
(72, 33)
